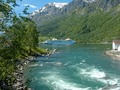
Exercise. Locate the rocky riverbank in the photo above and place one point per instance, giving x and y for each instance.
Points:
(19, 75)
(20, 83)
(114, 54)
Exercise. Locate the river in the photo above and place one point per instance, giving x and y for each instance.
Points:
(74, 67)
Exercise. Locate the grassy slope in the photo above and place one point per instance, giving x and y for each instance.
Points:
(94, 27)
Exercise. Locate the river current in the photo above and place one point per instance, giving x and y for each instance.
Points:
(74, 67)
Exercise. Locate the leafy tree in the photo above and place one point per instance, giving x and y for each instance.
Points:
(19, 39)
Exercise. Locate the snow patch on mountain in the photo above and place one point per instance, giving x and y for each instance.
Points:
(58, 5)
(54, 4)
(35, 12)
(43, 9)
(89, 1)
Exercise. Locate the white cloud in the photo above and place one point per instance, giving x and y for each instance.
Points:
(32, 6)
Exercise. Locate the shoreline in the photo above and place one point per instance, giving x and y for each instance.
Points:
(20, 83)
(113, 54)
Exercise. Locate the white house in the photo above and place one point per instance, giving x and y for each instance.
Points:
(116, 45)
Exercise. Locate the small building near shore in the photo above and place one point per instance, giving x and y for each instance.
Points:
(116, 45)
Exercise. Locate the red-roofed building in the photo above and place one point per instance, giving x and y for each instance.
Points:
(116, 45)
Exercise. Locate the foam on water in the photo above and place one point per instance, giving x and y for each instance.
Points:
(58, 83)
(118, 88)
(110, 87)
(110, 81)
(89, 71)
(35, 65)
(94, 73)
(83, 61)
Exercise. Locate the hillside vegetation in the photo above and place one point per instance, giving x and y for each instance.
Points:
(96, 22)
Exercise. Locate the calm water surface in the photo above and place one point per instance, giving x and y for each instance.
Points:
(74, 67)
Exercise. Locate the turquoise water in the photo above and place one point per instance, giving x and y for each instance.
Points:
(74, 67)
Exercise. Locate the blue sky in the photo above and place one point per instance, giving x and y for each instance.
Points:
(35, 4)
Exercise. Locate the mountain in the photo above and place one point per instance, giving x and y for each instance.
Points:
(108, 4)
(49, 9)
(54, 9)
(75, 4)
(47, 12)
(86, 21)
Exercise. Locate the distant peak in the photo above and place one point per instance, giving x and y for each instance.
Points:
(58, 5)
(36, 11)
(45, 8)
(89, 1)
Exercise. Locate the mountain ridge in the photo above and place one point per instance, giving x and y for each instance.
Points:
(91, 22)
(56, 9)
(47, 6)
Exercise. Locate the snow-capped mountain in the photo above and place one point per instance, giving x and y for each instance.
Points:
(89, 1)
(49, 8)
(58, 5)
(54, 10)
(35, 12)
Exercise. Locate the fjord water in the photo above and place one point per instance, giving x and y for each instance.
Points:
(74, 67)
